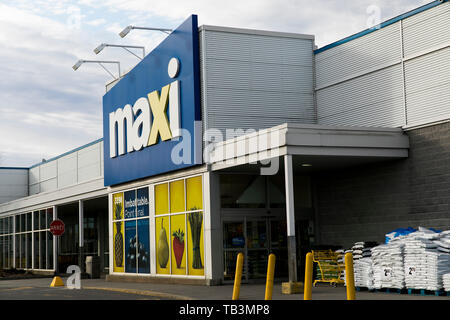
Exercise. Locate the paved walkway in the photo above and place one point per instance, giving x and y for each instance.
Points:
(198, 292)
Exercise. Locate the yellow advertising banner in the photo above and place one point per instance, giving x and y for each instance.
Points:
(162, 245)
(179, 244)
(195, 243)
(118, 235)
(161, 199)
(177, 196)
(194, 193)
(177, 225)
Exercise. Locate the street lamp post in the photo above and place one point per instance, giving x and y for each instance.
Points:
(125, 47)
(127, 30)
(100, 62)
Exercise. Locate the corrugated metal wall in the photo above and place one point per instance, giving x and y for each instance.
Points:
(13, 184)
(397, 76)
(83, 164)
(255, 80)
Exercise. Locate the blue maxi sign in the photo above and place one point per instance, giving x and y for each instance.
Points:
(152, 116)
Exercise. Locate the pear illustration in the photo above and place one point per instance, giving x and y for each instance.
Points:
(163, 247)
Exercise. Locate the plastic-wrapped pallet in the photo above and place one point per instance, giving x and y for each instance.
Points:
(388, 266)
(363, 273)
(426, 259)
(357, 250)
(446, 281)
(340, 254)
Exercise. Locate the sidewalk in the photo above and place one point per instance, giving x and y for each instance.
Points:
(223, 292)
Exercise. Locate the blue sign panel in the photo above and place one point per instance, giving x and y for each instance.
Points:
(152, 116)
(129, 210)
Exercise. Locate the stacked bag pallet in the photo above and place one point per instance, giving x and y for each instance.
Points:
(362, 264)
(363, 273)
(388, 266)
(427, 259)
(341, 263)
(412, 259)
(446, 282)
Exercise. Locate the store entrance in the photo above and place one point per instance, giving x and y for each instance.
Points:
(256, 237)
(94, 235)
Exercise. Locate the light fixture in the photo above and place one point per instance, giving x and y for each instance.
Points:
(80, 62)
(127, 30)
(306, 165)
(125, 47)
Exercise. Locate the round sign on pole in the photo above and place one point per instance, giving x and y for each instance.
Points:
(57, 227)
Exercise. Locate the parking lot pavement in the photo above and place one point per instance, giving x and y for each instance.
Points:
(99, 289)
(30, 293)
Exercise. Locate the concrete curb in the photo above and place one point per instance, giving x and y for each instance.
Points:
(143, 292)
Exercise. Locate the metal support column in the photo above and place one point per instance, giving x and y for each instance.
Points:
(290, 218)
(56, 243)
(81, 234)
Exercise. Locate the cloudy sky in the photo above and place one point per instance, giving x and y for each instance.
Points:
(47, 109)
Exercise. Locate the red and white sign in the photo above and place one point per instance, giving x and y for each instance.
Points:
(57, 227)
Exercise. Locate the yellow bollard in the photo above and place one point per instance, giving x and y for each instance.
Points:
(349, 276)
(307, 291)
(238, 276)
(270, 275)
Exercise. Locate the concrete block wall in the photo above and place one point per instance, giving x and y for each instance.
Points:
(366, 202)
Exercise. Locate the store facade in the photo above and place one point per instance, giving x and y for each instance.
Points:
(225, 140)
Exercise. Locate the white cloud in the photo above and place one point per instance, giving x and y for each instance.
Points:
(50, 108)
(96, 22)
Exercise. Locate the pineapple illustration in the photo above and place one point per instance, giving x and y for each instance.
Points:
(118, 239)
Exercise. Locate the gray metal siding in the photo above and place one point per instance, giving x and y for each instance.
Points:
(13, 184)
(358, 102)
(354, 57)
(398, 76)
(428, 87)
(70, 169)
(427, 29)
(255, 81)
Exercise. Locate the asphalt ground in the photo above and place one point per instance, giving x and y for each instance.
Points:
(98, 299)
(99, 289)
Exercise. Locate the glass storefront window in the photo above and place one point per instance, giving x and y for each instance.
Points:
(22, 223)
(29, 250)
(43, 250)
(242, 191)
(49, 250)
(256, 234)
(36, 250)
(42, 219)
(36, 220)
(18, 249)
(29, 227)
(256, 238)
(49, 217)
(233, 235)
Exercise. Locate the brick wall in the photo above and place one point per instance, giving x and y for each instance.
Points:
(364, 203)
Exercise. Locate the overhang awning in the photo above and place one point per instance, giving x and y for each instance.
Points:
(326, 146)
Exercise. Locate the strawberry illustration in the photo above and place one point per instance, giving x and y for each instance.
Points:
(178, 246)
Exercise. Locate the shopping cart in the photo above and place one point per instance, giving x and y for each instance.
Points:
(327, 267)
